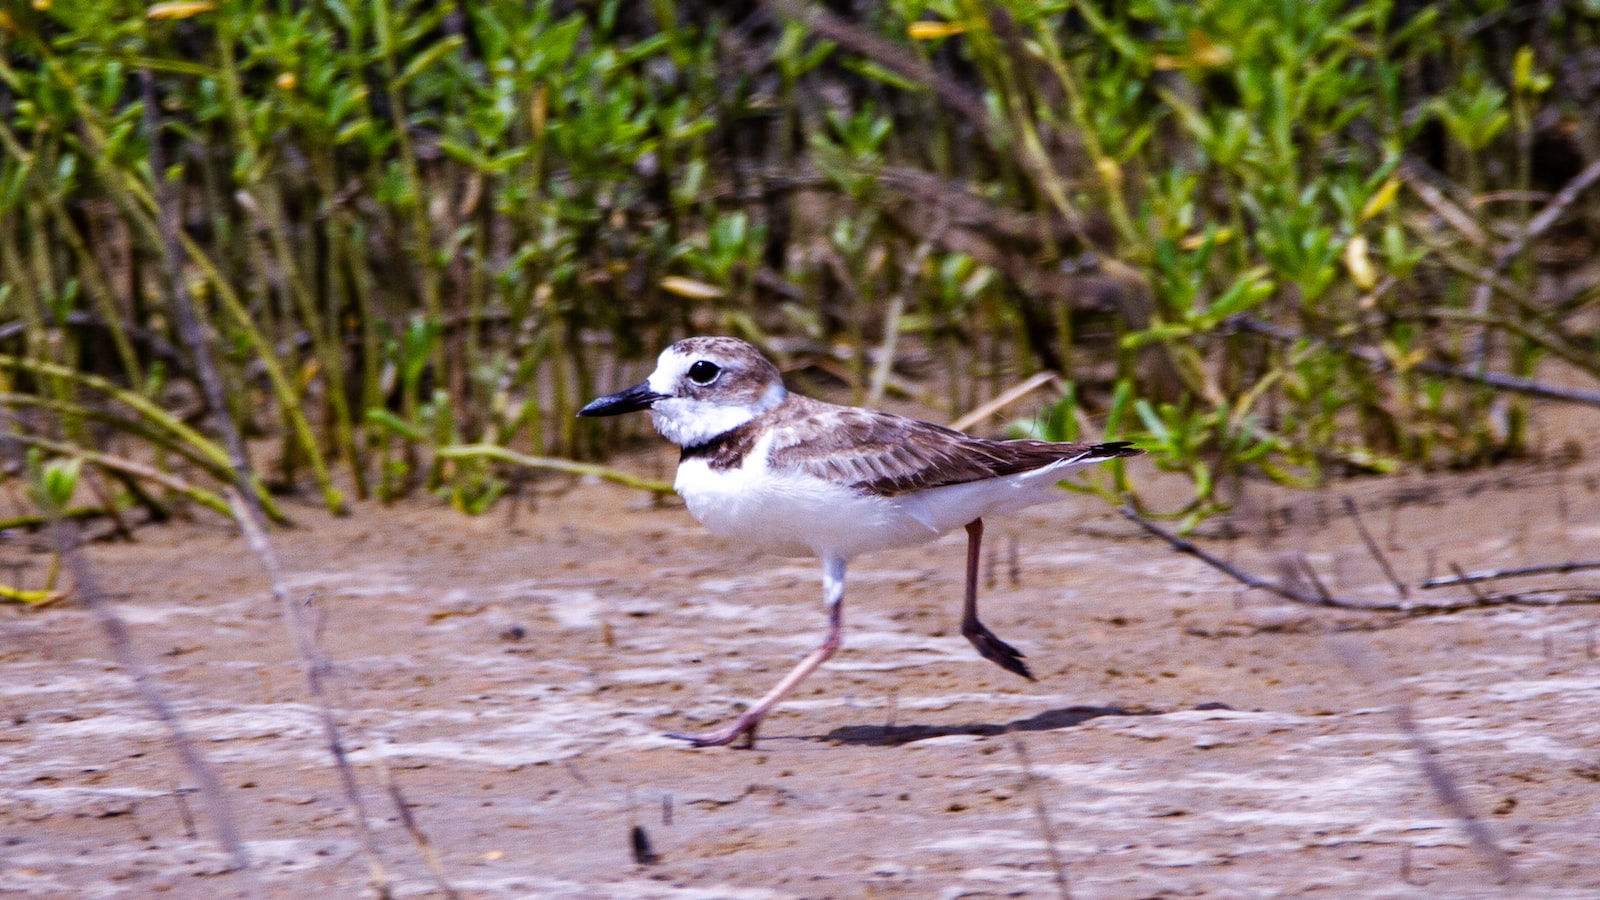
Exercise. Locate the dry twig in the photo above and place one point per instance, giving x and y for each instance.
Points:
(1042, 816)
(1007, 397)
(243, 502)
(87, 587)
(316, 668)
(1372, 547)
(1374, 357)
(897, 304)
(1520, 571)
(1428, 756)
(1237, 574)
(1329, 601)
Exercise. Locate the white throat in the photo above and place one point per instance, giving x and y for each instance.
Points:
(689, 422)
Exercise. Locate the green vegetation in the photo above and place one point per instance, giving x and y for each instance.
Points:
(1290, 239)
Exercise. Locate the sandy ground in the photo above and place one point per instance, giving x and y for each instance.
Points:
(516, 673)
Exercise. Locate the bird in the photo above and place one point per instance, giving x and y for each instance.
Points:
(799, 476)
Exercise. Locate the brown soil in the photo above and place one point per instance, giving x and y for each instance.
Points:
(1186, 737)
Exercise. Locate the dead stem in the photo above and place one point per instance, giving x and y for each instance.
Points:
(1030, 783)
(1372, 546)
(1428, 757)
(1371, 355)
(315, 667)
(1472, 586)
(87, 587)
(1460, 577)
(897, 305)
(1329, 601)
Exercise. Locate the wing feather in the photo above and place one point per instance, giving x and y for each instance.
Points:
(886, 454)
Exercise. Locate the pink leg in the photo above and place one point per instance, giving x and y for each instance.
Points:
(746, 724)
(989, 646)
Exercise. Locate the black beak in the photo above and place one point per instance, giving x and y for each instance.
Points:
(637, 397)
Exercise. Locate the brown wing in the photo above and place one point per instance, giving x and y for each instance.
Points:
(886, 454)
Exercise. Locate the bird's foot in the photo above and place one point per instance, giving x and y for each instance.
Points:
(993, 649)
(745, 725)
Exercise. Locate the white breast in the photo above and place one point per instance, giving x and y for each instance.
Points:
(795, 514)
(790, 513)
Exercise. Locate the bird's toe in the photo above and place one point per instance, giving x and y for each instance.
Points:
(995, 650)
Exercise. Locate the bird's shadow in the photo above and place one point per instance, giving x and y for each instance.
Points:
(1049, 720)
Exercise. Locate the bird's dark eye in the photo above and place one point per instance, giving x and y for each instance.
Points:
(704, 372)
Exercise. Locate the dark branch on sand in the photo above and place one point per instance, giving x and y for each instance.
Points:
(1520, 571)
(1183, 545)
(1427, 753)
(1329, 601)
(1372, 547)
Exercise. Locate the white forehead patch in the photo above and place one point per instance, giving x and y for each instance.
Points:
(670, 366)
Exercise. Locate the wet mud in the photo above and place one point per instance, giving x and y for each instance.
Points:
(514, 674)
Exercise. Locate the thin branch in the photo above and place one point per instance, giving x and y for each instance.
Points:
(316, 668)
(1323, 594)
(1571, 597)
(897, 304)
(1237, 574)
(430, 854)
(87, 587)
(1530, 329)
(182, 304)
(1415, 178)
(1007, 397)
(504, 454)
(119, 464)
(1491, 574)
(1551, 213)
(1472, 586)
(1428, 757)
(891, 56)
(1372, 547)
(1408, 609)
(1381, 363)
(243, 503)
(1536, 226)
(1042, 816)
(245, 506)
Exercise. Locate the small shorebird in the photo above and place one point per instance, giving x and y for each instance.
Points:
(800, 477)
